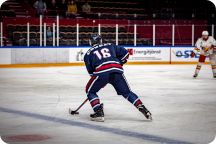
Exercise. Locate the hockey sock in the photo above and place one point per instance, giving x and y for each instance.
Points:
(94, 101)
(214, 70)
(198, 68)
(133, 99)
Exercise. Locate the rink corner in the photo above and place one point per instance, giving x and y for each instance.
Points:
(214, 2)
(214, 141)
(1, 141)
(1, 2)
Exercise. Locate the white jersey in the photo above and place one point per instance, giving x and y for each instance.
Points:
(205, 47)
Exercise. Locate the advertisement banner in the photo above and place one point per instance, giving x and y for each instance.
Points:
(77, 54)
(183, 54)
(149, 54)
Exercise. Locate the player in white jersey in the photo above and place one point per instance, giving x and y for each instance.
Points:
(206, 47)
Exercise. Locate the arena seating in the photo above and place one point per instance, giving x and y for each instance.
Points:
(108, 13)
(12, 8)
(16, 31)
(18, 35)
(125, 8)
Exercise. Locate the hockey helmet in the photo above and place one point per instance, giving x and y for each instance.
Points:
(95, 39)
(205, 33)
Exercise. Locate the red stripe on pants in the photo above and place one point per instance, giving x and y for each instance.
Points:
(90, 82)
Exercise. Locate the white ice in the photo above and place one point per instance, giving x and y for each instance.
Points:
(183, 108)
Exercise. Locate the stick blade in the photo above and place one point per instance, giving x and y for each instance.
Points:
(72, 112)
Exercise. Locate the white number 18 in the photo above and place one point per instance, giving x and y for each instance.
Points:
(105, 53)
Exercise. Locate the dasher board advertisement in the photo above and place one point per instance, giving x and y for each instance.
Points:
(183, 54)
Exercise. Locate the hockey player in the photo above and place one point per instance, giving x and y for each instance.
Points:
(104, 63)
(206, 47)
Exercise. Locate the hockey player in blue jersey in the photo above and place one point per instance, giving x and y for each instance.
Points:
(104, 64)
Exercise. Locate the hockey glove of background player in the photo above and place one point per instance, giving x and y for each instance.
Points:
(192, 54)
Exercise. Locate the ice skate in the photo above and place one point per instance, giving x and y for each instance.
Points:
(98, 115)
(145, 112)
(195, 75)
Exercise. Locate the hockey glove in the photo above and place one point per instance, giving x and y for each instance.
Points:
(192, 54)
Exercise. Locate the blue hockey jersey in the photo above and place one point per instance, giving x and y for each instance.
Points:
(105, 58)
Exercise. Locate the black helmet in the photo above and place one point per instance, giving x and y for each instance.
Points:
(95, 39)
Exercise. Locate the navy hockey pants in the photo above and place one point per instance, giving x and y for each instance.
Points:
(118, 81)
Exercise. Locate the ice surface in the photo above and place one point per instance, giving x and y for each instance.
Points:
(183, 108)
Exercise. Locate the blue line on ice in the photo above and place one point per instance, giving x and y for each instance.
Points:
(95, 127)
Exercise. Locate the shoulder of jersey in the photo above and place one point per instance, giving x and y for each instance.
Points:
(200, 38)
(85, 55)
(211, 37)
(105, 44)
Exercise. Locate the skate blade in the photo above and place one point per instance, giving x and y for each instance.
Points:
(98, 119)
(150, 118)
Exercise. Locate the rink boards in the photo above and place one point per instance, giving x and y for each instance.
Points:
(74, 55)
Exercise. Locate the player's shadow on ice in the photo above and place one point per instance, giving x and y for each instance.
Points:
(112, 119)
(125, 118)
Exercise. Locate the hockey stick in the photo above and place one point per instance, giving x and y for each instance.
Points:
(73, 112)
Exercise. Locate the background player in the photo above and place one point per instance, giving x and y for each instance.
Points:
(205, 46)
(104, 64)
